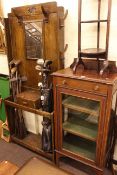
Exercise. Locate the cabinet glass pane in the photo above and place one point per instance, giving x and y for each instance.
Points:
(79, 146)
(80, 125)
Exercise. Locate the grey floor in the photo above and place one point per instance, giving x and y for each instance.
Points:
(14, 153)
(19, 155)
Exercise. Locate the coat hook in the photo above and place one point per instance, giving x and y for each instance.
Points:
(65, 15)
(19, 18)
(62, 55)
(61, 20)
(65, 49)
(45, 13)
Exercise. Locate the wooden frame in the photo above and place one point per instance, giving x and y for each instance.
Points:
(87, 96)
(2, 37)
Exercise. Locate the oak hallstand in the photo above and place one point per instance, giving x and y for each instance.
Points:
(21, 18)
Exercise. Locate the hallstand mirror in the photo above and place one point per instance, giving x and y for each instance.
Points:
(33, 39)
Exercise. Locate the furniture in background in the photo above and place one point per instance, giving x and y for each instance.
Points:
(84, 105)
(97, 50)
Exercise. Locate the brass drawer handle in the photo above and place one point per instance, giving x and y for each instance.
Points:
(64, 82)
(96, 88)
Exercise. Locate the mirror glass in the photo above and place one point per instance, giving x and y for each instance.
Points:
(33, 35)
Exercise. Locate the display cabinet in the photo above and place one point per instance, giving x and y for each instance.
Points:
(84, 108)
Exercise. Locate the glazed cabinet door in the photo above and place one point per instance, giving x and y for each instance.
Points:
(80, 118)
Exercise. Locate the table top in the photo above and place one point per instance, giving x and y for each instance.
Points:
(87, 75)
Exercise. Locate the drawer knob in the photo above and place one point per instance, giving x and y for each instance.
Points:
(64, 82)
(96, 88)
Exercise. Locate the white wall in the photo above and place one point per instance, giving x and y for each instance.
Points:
(71, 26)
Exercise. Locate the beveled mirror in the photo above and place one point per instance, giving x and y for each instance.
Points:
(33, 39)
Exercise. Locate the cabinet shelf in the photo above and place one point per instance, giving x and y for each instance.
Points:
(80, 104)
(82, 128)
(79, 146)
(93, 53)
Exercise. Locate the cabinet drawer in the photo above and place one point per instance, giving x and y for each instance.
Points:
(28, 103)
(29, 98)
(82, 85)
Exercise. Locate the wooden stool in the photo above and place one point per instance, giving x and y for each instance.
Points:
(7, 168)
(39, 167)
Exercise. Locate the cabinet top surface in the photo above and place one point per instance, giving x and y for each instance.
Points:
(87, 75)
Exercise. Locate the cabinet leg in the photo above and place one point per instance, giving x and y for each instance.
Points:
(57, 159)
(100, 173)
